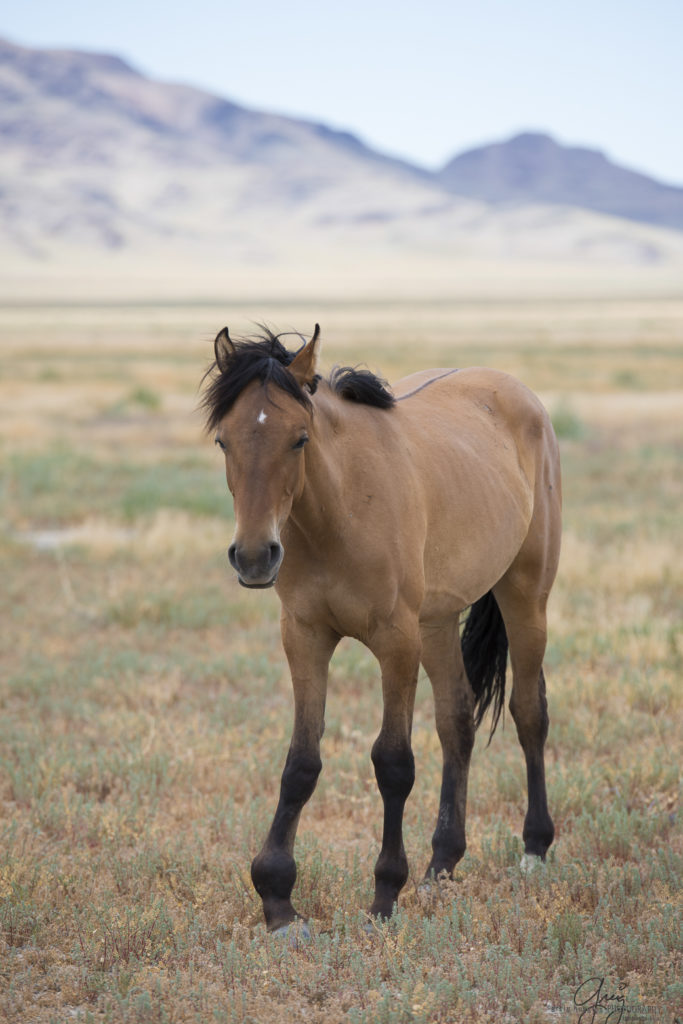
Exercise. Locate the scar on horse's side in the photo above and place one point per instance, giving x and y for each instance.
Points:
(389, 516)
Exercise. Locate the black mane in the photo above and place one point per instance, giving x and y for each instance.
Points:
(265, 358)
(361, 385)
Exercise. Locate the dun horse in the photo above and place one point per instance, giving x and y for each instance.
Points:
(385, 516)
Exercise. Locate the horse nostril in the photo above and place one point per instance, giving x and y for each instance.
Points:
(275, 553)
(232, 558)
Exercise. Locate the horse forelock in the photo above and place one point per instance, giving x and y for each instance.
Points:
(238, 363)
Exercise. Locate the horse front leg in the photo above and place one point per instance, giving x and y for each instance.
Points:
(273, 870)
(399, 655)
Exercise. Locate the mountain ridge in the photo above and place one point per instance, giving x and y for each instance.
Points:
(98, 160)
(533, 166)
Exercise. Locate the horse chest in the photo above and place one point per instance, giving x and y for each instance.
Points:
(348, 596)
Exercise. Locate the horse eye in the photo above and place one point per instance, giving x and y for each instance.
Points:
(300, 443)
(220, 444)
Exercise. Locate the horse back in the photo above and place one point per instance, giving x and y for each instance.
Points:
(476, 409)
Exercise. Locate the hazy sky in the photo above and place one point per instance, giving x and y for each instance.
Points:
(422, 80)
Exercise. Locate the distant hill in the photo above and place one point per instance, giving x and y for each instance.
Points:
(104, 171)
(533, 168)
(92, 150)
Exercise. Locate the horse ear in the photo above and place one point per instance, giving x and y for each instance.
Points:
(304, 363)
(223, 347)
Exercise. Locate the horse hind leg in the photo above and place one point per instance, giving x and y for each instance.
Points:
(525, 623)
(454, 714)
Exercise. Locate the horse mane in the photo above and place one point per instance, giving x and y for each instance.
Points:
(237, 363)
(361, 385)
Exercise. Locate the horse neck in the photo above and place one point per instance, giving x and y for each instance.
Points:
(322, 498)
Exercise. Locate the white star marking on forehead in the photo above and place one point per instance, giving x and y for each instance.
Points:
(262, 417)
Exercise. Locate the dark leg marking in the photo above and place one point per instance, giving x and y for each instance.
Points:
(454, 712)
(395, 774)
(539, 831)
(273, 871)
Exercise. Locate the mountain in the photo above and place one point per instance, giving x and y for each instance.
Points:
(533, 168)
(92, 150)
(107, 174)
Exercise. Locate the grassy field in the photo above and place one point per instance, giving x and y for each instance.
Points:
(145, 706)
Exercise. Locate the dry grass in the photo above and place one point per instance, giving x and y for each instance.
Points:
(145, 707)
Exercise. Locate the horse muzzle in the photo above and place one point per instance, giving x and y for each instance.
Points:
(256, 569)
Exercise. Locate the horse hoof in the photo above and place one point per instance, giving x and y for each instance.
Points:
(375, 927)
(293, 934)
(433, 889)
(429, 892)
(530, 863)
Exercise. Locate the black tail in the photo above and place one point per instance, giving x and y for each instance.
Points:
(485, 653)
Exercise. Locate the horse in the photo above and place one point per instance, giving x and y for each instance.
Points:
(388, 515)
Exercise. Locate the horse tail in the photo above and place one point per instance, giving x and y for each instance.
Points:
(485, 652)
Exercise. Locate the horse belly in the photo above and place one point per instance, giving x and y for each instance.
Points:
(479, 522)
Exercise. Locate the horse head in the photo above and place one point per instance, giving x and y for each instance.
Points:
(260, 408)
